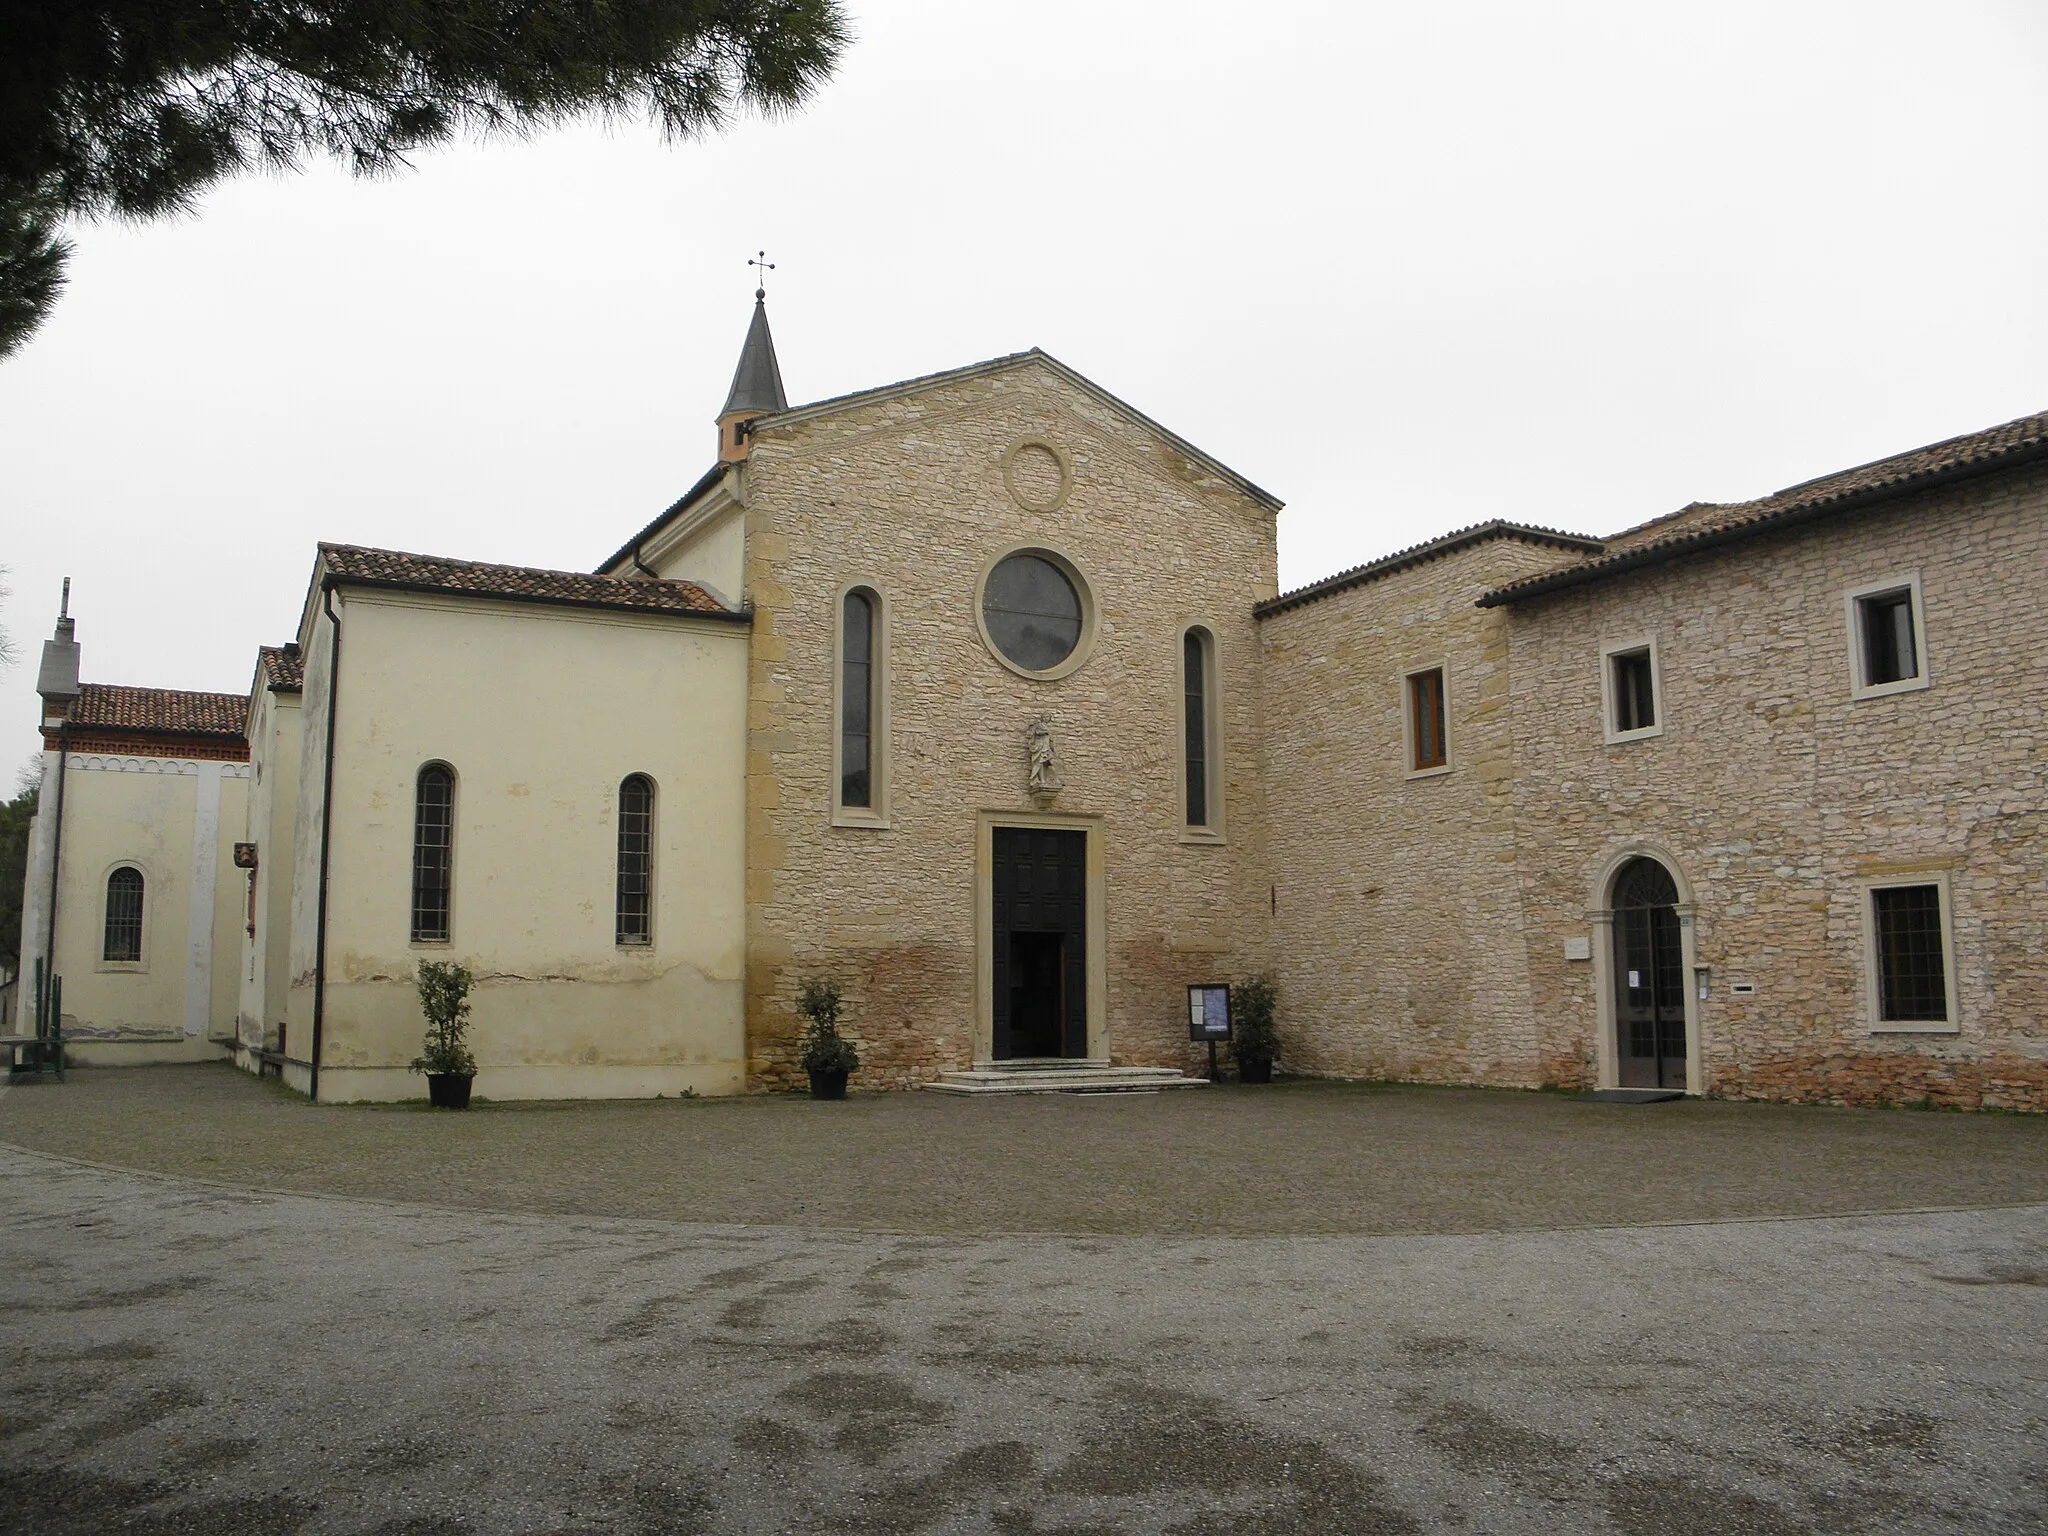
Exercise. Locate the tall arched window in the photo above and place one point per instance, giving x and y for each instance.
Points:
(636, 860)
(857, 700)
(124, 915)
(433, 853)
(1198, 728)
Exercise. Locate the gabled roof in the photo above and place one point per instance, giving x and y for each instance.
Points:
(996, 365)
(632, 546)
(157, 711)
(352, 565)
(1705, 524)
(1418, 554)
(757, 382)
(281, 669)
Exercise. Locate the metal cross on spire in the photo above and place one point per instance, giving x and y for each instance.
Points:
(760, 259)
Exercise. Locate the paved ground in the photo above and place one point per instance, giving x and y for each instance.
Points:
(180, 1357)
(1293, 1158)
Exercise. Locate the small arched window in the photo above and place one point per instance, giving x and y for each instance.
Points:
(124, 915)
(857, 701)
(433, 853)
(1198, 727)
(636, 860)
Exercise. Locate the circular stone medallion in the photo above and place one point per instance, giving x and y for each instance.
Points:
(1038, 475)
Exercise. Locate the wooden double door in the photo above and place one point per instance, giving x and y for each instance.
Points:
(1039, 942)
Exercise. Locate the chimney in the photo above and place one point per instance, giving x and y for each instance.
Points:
(57, 679)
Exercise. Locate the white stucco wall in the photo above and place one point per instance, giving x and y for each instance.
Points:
(175, 820)
(541, 711)
(264, 961)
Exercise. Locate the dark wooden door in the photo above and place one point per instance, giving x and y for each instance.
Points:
(1649, 978)
(1039, 883)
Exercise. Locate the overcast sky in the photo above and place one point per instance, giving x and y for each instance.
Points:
(1406, 266)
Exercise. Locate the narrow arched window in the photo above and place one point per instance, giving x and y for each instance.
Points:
(433, 853)
(636, 860)
(1198, 727)
(857, 701)
(124, 915)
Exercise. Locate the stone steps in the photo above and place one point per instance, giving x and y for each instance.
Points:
(1061, 1076)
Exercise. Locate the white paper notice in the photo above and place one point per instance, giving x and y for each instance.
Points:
(1635, 978)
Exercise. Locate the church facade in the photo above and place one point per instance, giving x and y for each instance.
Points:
(976, 693)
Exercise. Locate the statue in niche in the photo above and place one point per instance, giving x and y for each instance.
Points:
(1045, 778)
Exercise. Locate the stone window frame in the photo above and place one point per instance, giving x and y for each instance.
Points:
(1084, 589)
(1407, 708)
(1609, 702)
(1873, 985)
(873, 816)
(1214, 829)
(152, 890)
(1852, 605)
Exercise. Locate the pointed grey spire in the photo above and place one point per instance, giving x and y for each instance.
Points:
(57, 678)
(757, 382)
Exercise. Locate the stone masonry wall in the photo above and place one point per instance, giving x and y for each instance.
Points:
(1397, 936)
(1777, 794)
(907, 494)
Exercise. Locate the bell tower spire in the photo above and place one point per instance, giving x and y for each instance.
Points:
(756, 383)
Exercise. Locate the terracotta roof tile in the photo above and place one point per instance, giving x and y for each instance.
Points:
(281, 667)
(109, 706)
(1707, 523)
(473, 578)
(1417, 554)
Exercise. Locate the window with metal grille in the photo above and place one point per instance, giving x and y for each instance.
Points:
(1912, 976)
(1635, 691)
(636, 860)
(1195, 720)
(433, 853)
(1891, 653)
(857, 701)
(123, 939)
(1426, 719)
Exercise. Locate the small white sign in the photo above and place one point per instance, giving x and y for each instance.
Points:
(1635, 978)
(1578, 949)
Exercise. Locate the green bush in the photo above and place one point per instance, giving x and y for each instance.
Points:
(444, 999)
(1252, 1036)
(823, 1049)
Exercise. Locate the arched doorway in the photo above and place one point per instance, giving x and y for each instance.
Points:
(1649, 977)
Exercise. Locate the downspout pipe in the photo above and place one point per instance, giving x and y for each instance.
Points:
(326, 838)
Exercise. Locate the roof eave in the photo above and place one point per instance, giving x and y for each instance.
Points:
(1673, 549)
(1421, 554)
(333, 580)
(632, 547)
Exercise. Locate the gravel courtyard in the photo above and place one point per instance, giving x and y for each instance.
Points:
(1319, 1309)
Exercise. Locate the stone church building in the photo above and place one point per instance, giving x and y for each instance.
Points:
(976, 693)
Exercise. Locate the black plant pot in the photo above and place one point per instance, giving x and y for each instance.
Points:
(1255, 1071)
(449, 1090)
(828, 1085)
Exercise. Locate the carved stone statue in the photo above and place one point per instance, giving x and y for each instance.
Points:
(1045, 778)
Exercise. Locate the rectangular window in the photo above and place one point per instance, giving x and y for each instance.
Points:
(1912, 970)
(1887, 640)
(1889, 654)
(1429, 746)
(1195, 723)
(1635, 692)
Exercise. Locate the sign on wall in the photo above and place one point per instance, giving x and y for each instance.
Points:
(1209, 1012)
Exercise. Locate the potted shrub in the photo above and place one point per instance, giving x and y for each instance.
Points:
(444, 999)
(825, 1054)
(1253, 1043)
